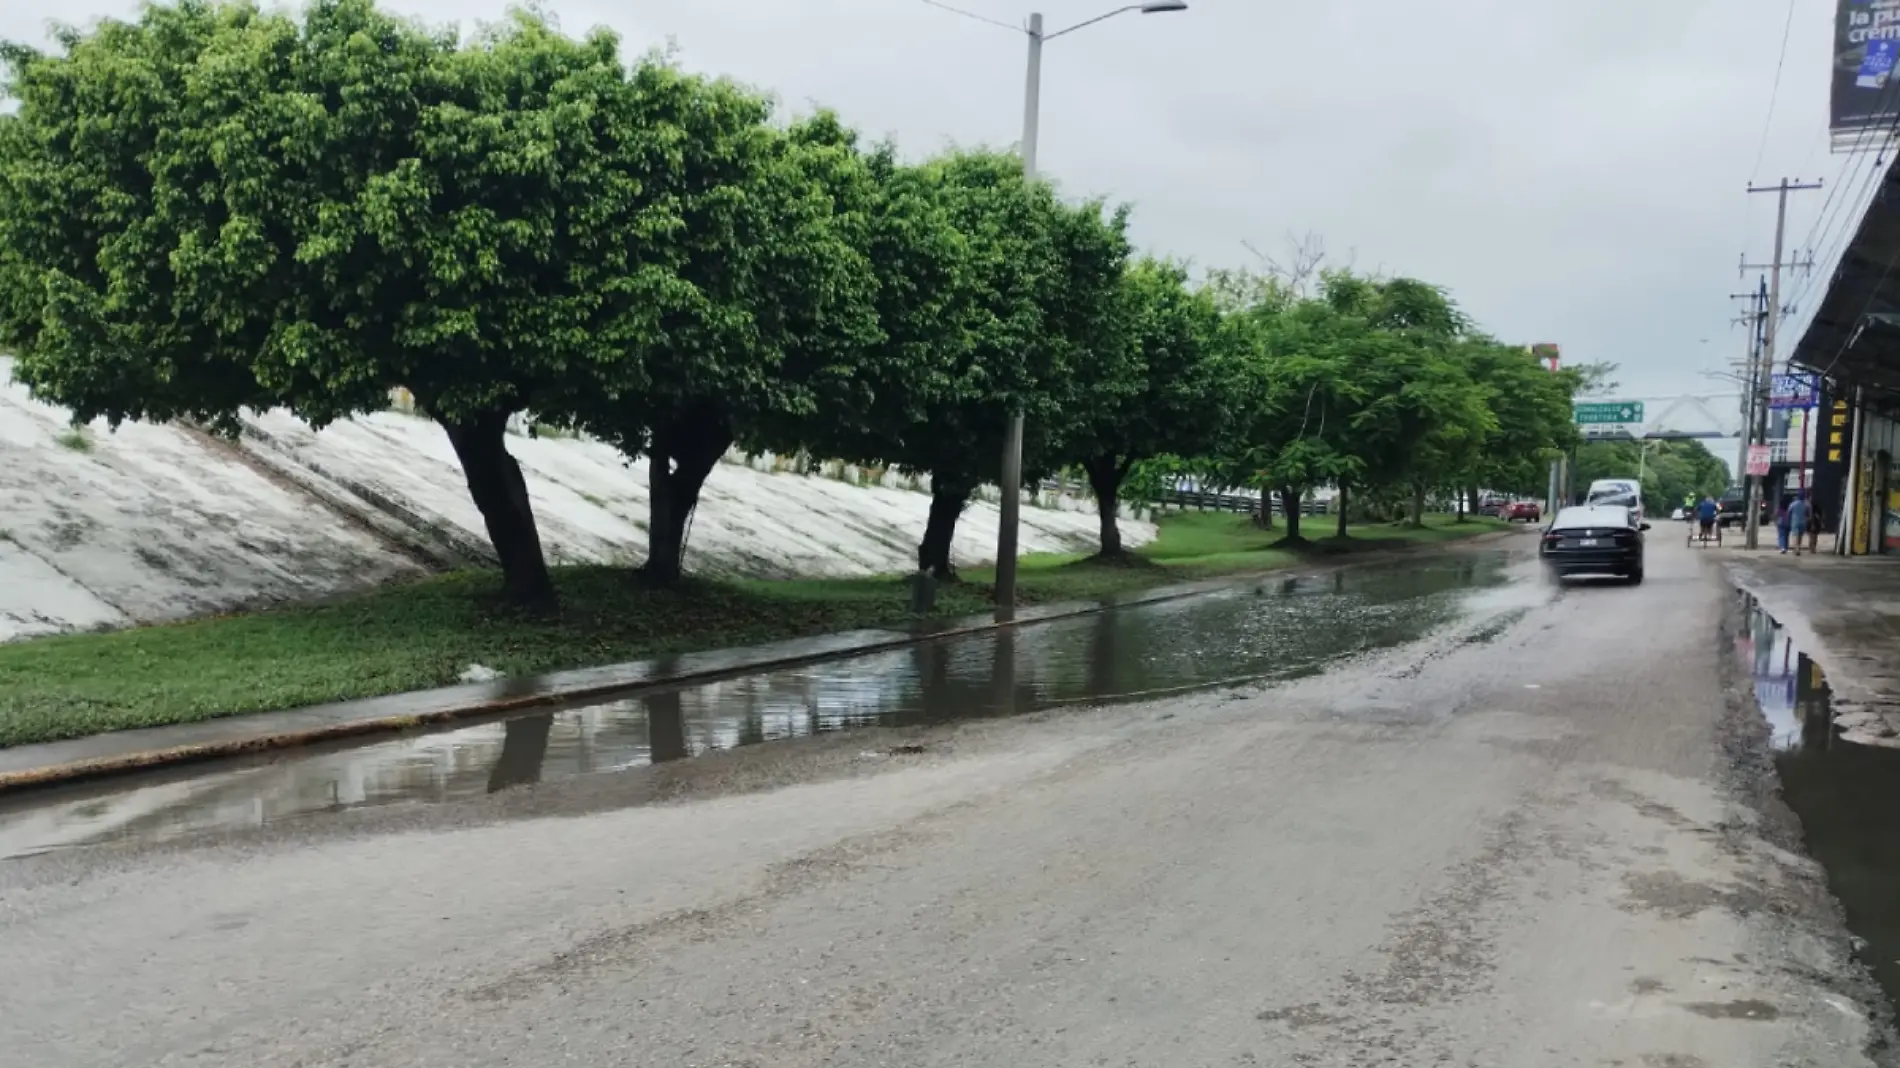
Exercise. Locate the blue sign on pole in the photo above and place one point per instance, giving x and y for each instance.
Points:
(1792, 390)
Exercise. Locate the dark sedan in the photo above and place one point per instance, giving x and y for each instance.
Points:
(1596, 540)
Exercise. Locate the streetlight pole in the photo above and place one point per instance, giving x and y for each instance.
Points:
(1011, 480)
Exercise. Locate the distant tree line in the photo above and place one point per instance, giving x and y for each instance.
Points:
(1671, 471)
(217, 208)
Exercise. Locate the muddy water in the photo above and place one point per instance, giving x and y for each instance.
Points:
(1847, 795)
(1278, 628)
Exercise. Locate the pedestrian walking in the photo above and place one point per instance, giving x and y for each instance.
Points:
(1798, 520)
(1782, 522)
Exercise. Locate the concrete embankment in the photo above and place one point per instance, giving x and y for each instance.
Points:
(103, 528)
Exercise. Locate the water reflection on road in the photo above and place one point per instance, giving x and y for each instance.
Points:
(1847, 795)
(1273, 629)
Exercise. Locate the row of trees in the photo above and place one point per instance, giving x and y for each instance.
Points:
(216, 208)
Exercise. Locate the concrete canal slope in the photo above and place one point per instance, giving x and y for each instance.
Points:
(1542, 832)
(149, 523)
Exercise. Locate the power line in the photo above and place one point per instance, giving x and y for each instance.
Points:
(1774, 95)
(971, 15)
(1856, 156)
(1860, 317)
(1852, 207)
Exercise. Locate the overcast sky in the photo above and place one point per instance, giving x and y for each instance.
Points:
(1572, 172)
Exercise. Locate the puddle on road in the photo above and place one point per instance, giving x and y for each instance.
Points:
(1277, 628)
(1847, 795)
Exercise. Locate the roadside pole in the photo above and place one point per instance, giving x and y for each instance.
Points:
(1751, 351)
(1642, 466)
(1847, 524)
(1758, 433)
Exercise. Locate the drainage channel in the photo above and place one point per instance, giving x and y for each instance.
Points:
(1847, 795)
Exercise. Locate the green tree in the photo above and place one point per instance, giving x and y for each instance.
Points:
(1531, 408)
(1160, 385)
(1296, 396)
(990, 293)
(313, 212)
(780, 321)
(1424, 419)
(92, 204)
(921, 368)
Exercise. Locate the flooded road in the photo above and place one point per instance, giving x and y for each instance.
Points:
(1847, 795)
(1277, 628)
(1521, 839)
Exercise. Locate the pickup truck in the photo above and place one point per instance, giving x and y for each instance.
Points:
(1733, 508)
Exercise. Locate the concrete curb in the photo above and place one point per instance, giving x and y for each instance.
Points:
(459, 703)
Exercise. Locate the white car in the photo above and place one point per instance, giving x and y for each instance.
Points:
(1616, 493)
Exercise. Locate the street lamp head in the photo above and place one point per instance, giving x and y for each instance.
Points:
(1156, 7)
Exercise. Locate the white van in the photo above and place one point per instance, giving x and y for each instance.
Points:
(1623, 492)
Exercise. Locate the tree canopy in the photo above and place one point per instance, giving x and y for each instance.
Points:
(213, 207)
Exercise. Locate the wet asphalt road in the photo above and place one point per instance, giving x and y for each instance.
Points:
(1536, 835)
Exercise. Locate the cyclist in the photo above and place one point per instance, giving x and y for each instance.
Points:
(1705, 514)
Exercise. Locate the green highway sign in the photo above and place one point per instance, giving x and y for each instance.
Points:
(1609, 412)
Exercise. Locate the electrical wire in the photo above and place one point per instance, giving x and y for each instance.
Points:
(1856, 156)
(1774, 94)
(1851, 209)
(971, 15)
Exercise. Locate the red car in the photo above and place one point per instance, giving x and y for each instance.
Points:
(1528, 511)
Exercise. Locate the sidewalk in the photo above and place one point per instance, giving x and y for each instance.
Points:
(131, 750)
(1845, 612)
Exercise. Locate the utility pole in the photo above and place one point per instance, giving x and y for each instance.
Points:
(1758, 431)
(1010, 505)
(1010, 480)
(1751, 351)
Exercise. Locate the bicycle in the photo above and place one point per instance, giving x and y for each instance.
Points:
(1702, 534)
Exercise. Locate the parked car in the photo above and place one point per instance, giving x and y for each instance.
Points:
(1528, 511)
(1594, 540)
(1491, 506)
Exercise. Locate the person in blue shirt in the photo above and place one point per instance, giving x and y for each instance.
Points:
(1797, 521)
(1705, 514)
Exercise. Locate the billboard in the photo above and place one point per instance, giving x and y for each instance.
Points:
(1792, 390)
(1546, 353)
(1866, 47)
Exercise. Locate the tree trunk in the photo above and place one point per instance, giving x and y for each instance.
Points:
(666, 727)
(1264, 517)
(1105, 479)
(947, 501)
(524, 748)
(1418, 504)
(1471, 500)
(501, 495)
(1341, 499)
(682, 454)
(1290, 500)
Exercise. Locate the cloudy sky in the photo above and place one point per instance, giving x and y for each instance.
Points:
(1572, 172)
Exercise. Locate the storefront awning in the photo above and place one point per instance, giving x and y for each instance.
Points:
(1854, 337)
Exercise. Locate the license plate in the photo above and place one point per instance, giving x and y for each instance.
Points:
(1589, 543)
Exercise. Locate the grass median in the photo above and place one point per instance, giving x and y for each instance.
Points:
(422, 634)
